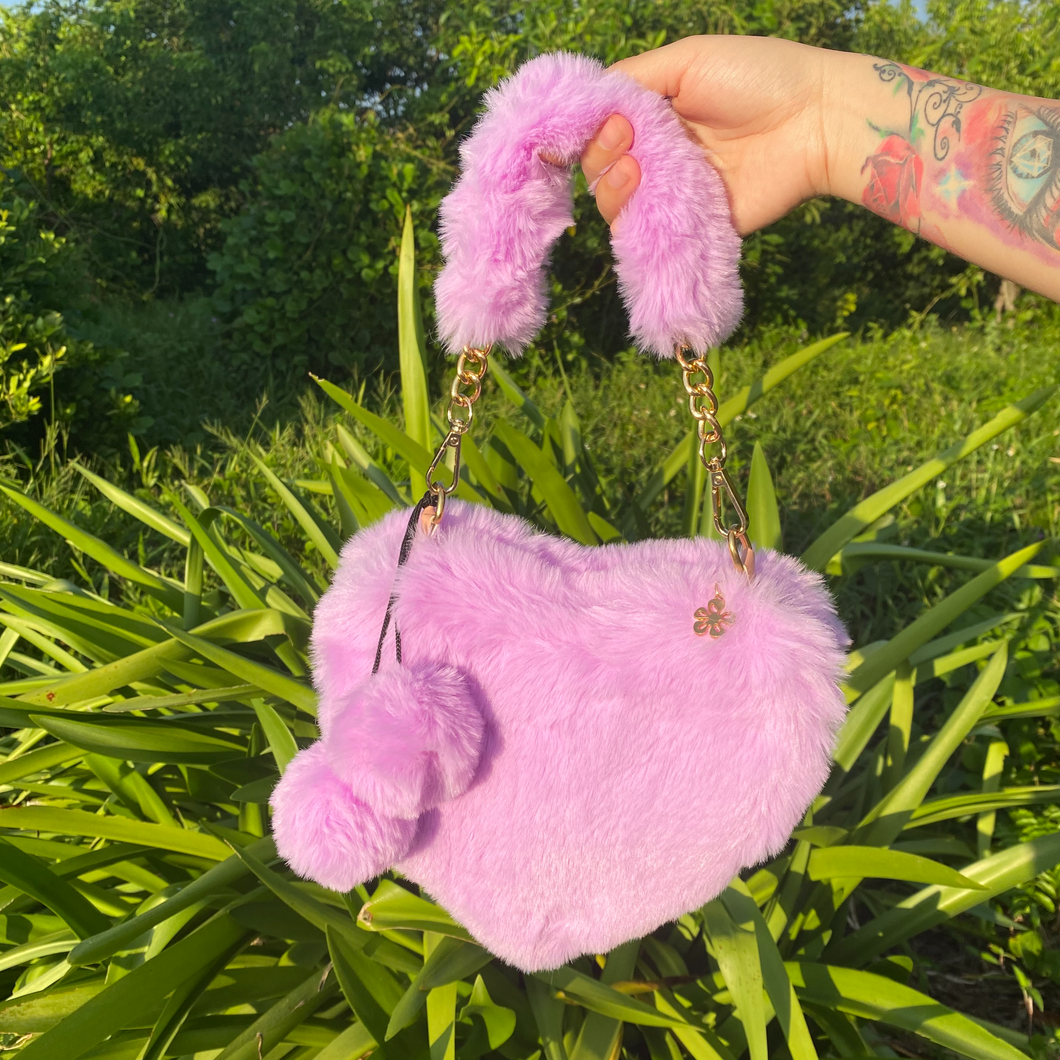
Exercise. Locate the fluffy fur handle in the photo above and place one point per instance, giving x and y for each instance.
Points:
(676, 251)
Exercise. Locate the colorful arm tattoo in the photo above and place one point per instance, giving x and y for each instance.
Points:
(968, 154)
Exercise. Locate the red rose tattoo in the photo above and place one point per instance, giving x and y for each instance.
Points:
(896, 175)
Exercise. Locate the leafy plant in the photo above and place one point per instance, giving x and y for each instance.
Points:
(145, 914)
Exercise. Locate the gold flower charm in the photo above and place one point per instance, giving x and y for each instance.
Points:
(713, 618)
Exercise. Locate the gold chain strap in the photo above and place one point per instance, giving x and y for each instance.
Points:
(463, 393)
(703, 404)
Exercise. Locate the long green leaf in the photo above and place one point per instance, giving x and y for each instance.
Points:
(935, 904)
(35, 761)
(598, 997)
(947, 807)
(877, 997)
(744, 911)
(562, 501)
(451, 959)
(920, 631)
(736, 951)
(122, 829)
(281, 742)
(33, 878)
(278, 1021)
(392, 907)
(163, 590)
(128, 1000)
(763, 515)
(146, 513)
(212, 882)
(601, 1035)
(864, 514)
(137, 740)
(828, 863)
(322, 536)
(886, 820)
(267, 679)
(412, 353)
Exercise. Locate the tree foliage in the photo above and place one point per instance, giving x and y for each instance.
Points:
(262, 151)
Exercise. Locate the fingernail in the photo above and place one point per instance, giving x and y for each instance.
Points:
(611, 135)
(617, 177)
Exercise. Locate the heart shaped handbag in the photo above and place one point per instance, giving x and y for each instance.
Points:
(565, 746)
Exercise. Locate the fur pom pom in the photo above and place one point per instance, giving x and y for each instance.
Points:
(676, 251)
(325, 833)
(407, 739)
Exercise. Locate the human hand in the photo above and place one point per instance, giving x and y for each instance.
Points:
(754, 103)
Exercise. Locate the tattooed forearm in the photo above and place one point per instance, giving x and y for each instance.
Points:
(953, 155)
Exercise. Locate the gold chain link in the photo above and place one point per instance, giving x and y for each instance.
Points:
(703, 405)
(463, 393)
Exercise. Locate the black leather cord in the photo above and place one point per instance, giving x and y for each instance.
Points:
(406, 547)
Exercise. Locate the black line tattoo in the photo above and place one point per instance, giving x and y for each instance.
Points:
(937, 102)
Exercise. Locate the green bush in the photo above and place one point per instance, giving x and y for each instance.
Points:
(35, 268)
(304, 275)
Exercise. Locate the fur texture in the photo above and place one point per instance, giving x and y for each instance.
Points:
(629, 767)
(325, 832)
(407, 739)
(676, 251)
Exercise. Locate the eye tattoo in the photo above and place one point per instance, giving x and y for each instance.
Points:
(1024, 173)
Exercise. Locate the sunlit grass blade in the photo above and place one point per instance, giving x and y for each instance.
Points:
(212, 882)
(763, 515)
(933, 621)
(872, 508)
(744, 912)
(392, 907)
(281, 742)
(934, 904)
(133, 997)
(600, 1035)
(79, 823)
(948, 807)
(137, 740)
(165, 591)
(35, 879)
(146, 513)
(598, 997)
(886, 820)
(876, 997)
(833, 862)
(265, 678)
(378, 480)
(35, 761)
(324, 917)
(736, 951)
(450, 959)
(277, 1022)
(855, 555)
(316, 530)
(412, 353)
(745, 398)
(563, 503)
(515, 395)
(291, 571)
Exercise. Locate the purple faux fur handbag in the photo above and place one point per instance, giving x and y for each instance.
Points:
(577, 744)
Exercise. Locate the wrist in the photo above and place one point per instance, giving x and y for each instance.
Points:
(850, 95)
